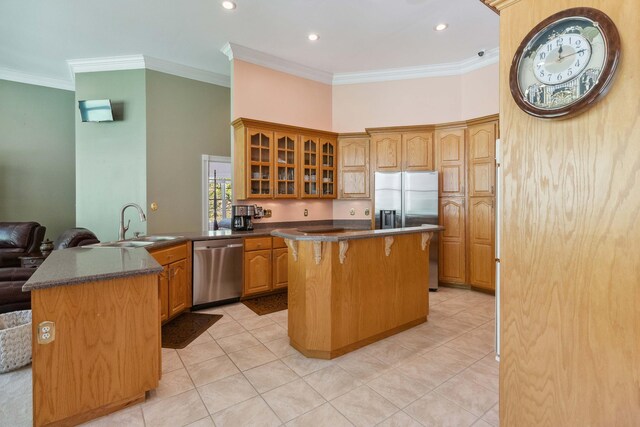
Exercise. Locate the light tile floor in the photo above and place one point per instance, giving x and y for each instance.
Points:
(243, 372)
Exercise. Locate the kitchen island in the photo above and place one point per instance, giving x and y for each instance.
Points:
(348, 289)
(95, 333)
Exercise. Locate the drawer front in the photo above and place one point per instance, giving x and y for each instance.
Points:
(278, 243)
(257, 243)
(169, 255)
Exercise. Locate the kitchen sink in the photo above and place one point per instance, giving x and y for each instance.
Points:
(121, 244)
(154, 239)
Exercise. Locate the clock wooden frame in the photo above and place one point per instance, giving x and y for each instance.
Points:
(612, 41)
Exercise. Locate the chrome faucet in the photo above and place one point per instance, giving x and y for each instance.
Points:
(124, 229)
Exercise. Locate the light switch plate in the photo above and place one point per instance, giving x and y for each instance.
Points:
(46, 332)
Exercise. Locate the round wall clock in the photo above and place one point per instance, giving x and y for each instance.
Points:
(565, 64)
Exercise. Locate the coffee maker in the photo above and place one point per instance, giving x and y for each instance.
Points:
(241, 217)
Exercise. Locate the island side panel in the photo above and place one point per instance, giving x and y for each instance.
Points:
(105, 354)
(376, 295)
(310, 299)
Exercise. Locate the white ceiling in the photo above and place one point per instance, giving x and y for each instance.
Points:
(38, 36)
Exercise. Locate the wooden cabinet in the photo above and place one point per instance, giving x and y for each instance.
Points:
(388, 151)
(417, 151)
(174, 283)
(259, 168)
(481, 242)
(450, 148)
(310, 162)
(285, 164)
(280, 268)
(353, 168)
(265, 265)
(453, 241)
(281, 161)
(329, 162)
(482, 165)
(257, 272)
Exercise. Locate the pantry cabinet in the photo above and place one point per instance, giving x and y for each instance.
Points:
(482, 242)
(450, 146)
(452, 268)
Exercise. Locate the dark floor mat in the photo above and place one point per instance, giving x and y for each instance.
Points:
(268, 304)
(185, 328)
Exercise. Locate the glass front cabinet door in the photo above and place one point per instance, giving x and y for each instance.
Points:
(259, 163)
(328, 162)
(310, 175)
(285, 165)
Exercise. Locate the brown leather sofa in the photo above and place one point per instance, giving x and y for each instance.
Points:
(19, 239)
(75, 237)
(12, 279)
(11, 296)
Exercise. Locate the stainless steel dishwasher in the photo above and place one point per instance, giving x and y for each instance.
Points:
(217, 271)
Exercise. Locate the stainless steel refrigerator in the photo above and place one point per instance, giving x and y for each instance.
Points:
(414, 198)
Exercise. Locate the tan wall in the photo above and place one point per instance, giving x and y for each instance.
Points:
(570, 353)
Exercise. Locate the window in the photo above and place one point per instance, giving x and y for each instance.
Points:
(220, 191)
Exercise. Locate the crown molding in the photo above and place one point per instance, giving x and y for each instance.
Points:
(187, 72)
(422, 71)
(499, 4)
(242, 53)
(137, 62)
(35, 79)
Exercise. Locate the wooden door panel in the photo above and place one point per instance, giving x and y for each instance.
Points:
(452, 218)
(257, 271)
(417, 151)
(178, 291)
(280, 268)
(388, 152)
(354, 183)
(163, 284)
(482, 177)
(451, 161)
(481, 243)
(482, 142)
(452, 264)
(354, 154)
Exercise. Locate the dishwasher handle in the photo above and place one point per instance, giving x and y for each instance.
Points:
(205, 248)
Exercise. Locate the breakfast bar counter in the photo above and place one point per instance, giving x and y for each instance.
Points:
(348, 289)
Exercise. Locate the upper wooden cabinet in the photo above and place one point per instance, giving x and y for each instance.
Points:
(328, 167)
(353, 168)
(482, 165)
(285, 163)
(417, 151)
(281, 161)
(450, 148)
(388, 152)
(259, 168)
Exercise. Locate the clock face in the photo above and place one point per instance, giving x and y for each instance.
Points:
(565, 63)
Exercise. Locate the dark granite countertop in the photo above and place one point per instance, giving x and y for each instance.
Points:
(79, 265)
(341, 235)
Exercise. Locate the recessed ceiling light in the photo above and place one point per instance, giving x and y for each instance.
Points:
(313, 37)
(229, 5)
(441, 27)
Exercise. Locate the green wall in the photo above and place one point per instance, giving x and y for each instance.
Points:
(185, 119)
(37, 158)
(111, 156)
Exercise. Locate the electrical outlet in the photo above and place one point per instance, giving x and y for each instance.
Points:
(306, 212)
(366, 212)
(46, 332)
(352, 211)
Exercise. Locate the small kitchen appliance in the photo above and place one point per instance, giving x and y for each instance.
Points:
(241, 217)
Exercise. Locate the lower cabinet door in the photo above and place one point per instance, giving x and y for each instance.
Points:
(452, 241)
(280, 268)
(178, 290)
(163, 292)
(257, 272)
(481, 243)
